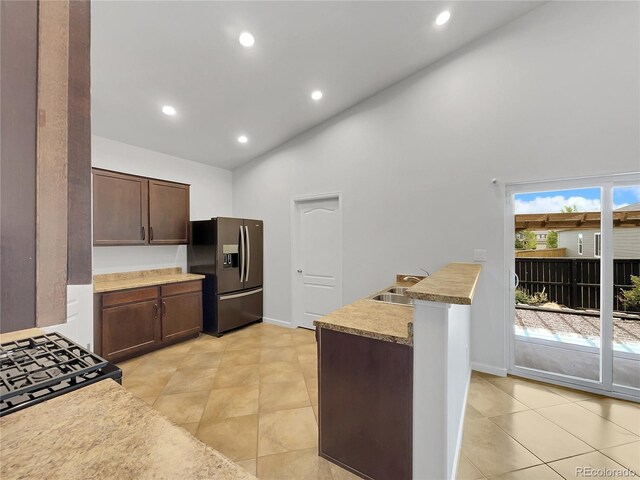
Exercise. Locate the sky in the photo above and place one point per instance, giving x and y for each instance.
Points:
(585, 199)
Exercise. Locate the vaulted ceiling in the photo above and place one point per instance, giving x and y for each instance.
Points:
(147, 54)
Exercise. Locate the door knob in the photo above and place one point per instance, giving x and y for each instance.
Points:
(299, 270)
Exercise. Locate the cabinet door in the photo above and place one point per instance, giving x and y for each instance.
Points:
(365, 393)
(181, 315)
(130, 329)
(120, 211)
(168, 212)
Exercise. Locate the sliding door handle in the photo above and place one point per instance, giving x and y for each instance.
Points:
(246, 277)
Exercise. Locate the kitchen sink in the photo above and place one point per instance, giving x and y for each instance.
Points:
(398, 290)
(392, 298)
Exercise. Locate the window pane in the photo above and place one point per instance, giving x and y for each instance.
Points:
(626, 286)
(557, 314)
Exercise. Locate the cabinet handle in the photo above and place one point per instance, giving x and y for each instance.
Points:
(142, 231)
(164, 309)
(150, 233)
(155, 311)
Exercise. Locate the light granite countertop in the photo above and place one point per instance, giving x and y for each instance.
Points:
(20, 334)
(455, 283)
(372, 319)
(110, 282)
(103, 431)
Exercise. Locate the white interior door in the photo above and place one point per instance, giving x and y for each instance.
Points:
(317, 259)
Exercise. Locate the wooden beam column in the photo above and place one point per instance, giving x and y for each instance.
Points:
(51, 163)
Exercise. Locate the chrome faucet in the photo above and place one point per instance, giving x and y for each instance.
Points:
(411, 277)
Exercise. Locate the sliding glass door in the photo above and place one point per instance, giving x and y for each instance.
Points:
(573, 251)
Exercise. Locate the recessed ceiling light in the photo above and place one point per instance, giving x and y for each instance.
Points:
(168, 110)
(246, 39)
(443, 17)
(243, 139)
(316, 94)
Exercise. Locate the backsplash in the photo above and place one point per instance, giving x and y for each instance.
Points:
(144, 257)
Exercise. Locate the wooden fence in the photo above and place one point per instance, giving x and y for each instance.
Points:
(542, 253)
(575, 282)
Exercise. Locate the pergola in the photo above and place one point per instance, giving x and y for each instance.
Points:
(556, 221)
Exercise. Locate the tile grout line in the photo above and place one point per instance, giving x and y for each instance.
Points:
(569, 401)
(582, 439)
(551, 406)
(553, 423)
(616, 461)
(607, 419)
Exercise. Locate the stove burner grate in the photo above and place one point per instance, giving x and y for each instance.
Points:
(43, 361)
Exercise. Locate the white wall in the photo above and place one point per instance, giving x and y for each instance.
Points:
(553, 94)
(210, 197)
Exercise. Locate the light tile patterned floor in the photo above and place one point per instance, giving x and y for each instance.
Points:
(252, 395)
(524, 430)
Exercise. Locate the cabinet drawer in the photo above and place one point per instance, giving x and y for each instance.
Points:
(129, 296)
(180, 288)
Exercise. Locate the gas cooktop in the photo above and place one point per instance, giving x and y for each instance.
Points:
(36, 369)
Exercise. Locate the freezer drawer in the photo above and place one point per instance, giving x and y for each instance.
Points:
(237, 309)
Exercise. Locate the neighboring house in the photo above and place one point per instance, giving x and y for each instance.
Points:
(586, 243)
(541, 238)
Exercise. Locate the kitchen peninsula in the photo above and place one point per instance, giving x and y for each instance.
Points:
(393, 377)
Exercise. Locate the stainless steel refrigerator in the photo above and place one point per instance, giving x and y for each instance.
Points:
(228, 251)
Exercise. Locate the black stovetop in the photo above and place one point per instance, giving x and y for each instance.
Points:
(36, 369)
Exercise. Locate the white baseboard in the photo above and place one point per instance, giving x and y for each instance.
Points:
(279, 323)
(490, 369)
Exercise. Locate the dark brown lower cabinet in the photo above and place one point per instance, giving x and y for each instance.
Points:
(130, 329)
(365, 402)
(182, 315)
(128, 323)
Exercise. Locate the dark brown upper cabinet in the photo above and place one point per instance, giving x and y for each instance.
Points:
(168, 212)
(132, 210)
(120, 209)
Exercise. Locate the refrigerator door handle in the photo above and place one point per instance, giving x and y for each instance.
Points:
(246, 276)
(241, 253)
(238, 295)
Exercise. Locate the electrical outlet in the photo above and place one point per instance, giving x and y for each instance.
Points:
(479, 255)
